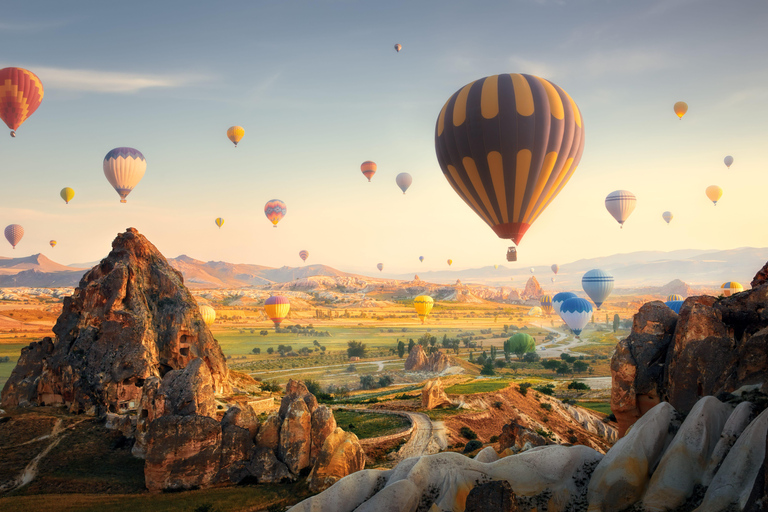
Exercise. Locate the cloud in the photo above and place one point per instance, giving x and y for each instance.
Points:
(108, 81)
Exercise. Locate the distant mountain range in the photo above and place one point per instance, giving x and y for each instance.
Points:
(634, 272)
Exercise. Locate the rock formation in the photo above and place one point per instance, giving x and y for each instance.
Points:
(517, 438)
(433, 395)
(532, 289)
(712, 461)
(418, 361)
(339, 456)
(131, 318)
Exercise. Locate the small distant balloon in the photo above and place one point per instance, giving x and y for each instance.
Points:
(620, 204)
(14, 234)
(421, 259)
(667, 216)
(67, 194)
(303, 255)
(555, 268)
(450, 262)
(423, 305)
(533, 270)
(496, 267)
(681, 108)
(275, 210)
(552, 279)
(52, 243)
(208, 314)
(714, 193)
(398, 47)
(403, 181)
(368, 169)
(380, 266)
(21, 92)
(219, 222)
(124, 168)
(728, 161)
(235, 133)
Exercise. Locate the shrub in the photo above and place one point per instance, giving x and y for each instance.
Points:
(498, 404)
(500, 363)
(544, 433)
(270, 386)
(611, 417)
(524, 388)
(467, 433)
(547, 389)
(459, 445)
(313, 386)
(578, 386)
(545, 406)
(351, 368)
(573, 439)
(472, 446)
(385, 380)
(494, 439)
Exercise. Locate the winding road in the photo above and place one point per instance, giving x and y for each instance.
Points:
(550, 350)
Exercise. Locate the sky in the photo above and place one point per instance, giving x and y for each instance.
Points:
(319, 89)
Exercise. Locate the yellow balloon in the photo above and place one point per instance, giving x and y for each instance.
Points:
(450, 262)
(714, 193)
(53, 243)
(67, 194)
(208, 314)
(277, 308)
(235, 133)
(423, 305)
(681, 108)
(219, 221)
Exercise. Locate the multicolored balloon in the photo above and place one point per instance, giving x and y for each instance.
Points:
(450, 262)
(728, 288)
(728, 161)
(14, 234)
(675, 305)
(546, 304)
(535, 311)
(398, 47)
(219, 222)
(67, 194)
(555, 268)
(208, 314)
(21, 92)
(576, 313)
(423, 305)
(533, 270)
(598, 284)
(235, 133)
(52, 243)
(674, 297)
(714, 193)
(124, 168)
(303, 254)
(667, 216)
(681, 108)
(552, 279)
(508, 144)
(380, 266)
(559, 298)
(403, 181)
(620, 204)
(275, 210)
(277, 308)
(369, 169)
(421, 259)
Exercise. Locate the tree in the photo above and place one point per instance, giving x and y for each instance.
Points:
(519, 344)
(455, 345)
(493, 353)
(385, 380)
(616, 322)
(531, 357)
(446, 342)
(564, 368)
(356, 348)
(551, 364)
(270, 350)
(411, 344)
(367, 382)
(256, 350)
(487, 368)
(580, 366)
(400, 348)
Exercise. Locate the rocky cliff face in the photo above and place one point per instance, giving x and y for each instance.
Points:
(713, 347)
(418, 361)
(532, 289)
(131, 318)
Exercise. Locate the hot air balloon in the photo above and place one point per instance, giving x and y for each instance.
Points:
(681, 108)
(714, 193)
(368, 168)
(403, 181)
(67, 194)
(380, 266)
(559, 298)
(496, 267)
(20, 94)
(303, 255)
(533, 270)
(576, 313)
(555, 268)
(675, 305)
(14, 233)
(620, 204)
(728, 288)
(598, 284)
(52, 243)
(421, 259)
(546, 304)
(277, 308)
(275, 210)
(728, 161)
(235, 133)
(398, 47)
(508, 144)
(450, 262)
(208, 314)
(219, 222)
(552, 279)
(520, 343)
(423, 305)
(667, 216)
(124, 168)
(674, 297)
(535, 311)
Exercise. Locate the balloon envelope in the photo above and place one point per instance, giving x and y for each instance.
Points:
(219, 221)
(620, 204)
(421, 258)
(21, 92)
(667, 216)
(304, 255)
(533, 270)
(52, 243)
(14, 233)
(674, 297)
(208, 314)
(277, 308)
(714, 193)
(275, 210)
(403, 181)
(535, 311)
(124, 168)
(576, 313)
(235, 133)
(681, 108)
(555, 268)
(398, 47)
(598, 284)
(520, 342)
(380, 266)
(368, 168)
(731, 287)
(450, 262)
(728, 161)
(508, 144)
(67, 194)
(546, 304)
(423, 305)
(675, 305)
(559, 298)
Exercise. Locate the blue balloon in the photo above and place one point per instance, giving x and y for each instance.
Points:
(598, 284)
(559, 298)
(576, 313)
(675, 305)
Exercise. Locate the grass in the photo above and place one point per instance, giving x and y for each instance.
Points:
(368, 425)
(12, 350)
(477, 386)
(603, 407)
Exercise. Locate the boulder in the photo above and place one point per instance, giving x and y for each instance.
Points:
(496, 496)
(761, 277)
(340, 456)
(269, 433)
(21, 388)
(417, 359)
(189, 391)
(296, 390)
(433, 395)
(323, 423)
(515, 436)
(264, 466)
(242, 416)
(295, 442)
(236, 446)
(487, 454)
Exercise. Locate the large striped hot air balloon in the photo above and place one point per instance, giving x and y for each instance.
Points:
(208, 314)
(21, 92)
(559, 298)
(508, 144)
(423, 305)
(728, 288)
(235, 133)
(674, 305)
(275, 210)
(667, 216)
(620, 204)
(277, 308)
(368, 169)
(546, 304)
(680, 108)
(124, 168)
(303, 255)
(219, 222)
(14, 234)
(714, 193)
(67, 194)
(598, 284)
(403, 181)
(674, 297)
(576, 313)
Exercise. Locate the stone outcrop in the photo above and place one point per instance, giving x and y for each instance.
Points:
(708, 462)
(418, 361)
(340, 455)
(517, 438)
(715, 346)
(532, 289)
(433, 395)
(130, 318)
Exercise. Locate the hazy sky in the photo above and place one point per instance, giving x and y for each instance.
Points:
(319, 89)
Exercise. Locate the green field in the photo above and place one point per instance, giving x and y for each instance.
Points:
(603, 407)
(12, 350)
(366, 425)
(477, 386)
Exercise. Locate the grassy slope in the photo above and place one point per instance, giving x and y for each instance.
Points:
(367, 425)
